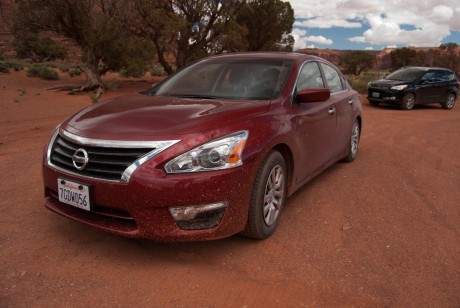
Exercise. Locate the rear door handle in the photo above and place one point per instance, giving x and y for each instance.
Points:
(331, 110)
(350, 101)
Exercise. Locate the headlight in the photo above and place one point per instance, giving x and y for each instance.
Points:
(400, 87)
(223, 153)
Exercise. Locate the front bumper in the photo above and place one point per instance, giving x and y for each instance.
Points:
(140, 208)
(385, 96)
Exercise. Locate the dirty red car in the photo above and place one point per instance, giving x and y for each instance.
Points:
(211, 151)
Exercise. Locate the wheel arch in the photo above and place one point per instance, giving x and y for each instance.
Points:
(288, 157)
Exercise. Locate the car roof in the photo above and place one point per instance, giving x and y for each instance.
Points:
(426, 68)
(269, 55)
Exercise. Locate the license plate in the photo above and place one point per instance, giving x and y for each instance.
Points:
(75, 194)
(375, 94)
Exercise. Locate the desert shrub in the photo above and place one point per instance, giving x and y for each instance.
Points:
(74, 72)
(39, 49)
(359, 83)
(4, 68)
(42, 72)
(157, 70)
(17, 66)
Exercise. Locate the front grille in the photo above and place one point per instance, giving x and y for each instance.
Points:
(379, 86)
(106, 163)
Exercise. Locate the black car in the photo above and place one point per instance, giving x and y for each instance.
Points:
(412, 85)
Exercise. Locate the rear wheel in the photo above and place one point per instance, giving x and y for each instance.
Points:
(268, 197)
(408, 101)
(450, 102)
(353, 143)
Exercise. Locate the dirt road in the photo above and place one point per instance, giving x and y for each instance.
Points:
(381, 231)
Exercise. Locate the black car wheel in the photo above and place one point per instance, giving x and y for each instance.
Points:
(354, 142)
(408, 101)
(450, 102)
(268, 197)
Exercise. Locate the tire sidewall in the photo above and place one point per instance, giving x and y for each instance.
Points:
(256, 224)
(405, 99)
(446, 104)
(351, 156)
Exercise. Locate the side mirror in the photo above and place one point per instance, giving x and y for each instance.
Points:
(313, 95)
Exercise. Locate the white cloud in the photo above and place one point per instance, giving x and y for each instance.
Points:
(303, 41)
(320, 40)
(390, 22)
(321, 22)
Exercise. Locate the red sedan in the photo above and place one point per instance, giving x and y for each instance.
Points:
(211, 151)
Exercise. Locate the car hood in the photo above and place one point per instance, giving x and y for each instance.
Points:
(139, 116)
(387, 83)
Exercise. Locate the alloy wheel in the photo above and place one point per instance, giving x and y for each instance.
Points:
(274, 195)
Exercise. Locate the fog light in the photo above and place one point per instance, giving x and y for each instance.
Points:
(198, 217)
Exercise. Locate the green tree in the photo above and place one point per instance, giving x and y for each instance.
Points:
(357, 61)
(402, 57)
(449, 57)
(94, 25)
(187, 30)
(190, 30)
(269, 24)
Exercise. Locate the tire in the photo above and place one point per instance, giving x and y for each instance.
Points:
(353, 143)
(450, 101)
(408, 101)
(268, 197)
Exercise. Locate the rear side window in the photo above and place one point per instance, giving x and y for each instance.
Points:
(334, 81)
(447, 76)
(438, 76)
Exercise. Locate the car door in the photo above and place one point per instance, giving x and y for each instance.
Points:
(344, 103)
(442, 86)
(315, 124)
(432, 89)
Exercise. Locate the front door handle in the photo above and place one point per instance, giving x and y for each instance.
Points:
(331, 110)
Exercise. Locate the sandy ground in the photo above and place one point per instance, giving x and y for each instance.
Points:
(381, 231)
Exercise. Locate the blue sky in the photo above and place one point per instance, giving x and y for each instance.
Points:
(375, 24)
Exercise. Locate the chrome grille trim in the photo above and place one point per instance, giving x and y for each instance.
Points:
(59, 159)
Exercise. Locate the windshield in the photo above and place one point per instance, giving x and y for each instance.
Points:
(406, 74)
(228, 78)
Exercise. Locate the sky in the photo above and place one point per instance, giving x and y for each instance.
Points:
(375, 24)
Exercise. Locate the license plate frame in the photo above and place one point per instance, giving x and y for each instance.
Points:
(74, 193)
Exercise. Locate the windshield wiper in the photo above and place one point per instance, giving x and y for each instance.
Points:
(202, 96)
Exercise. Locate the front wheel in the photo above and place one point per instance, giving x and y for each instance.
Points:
(408, 101)
(450, 102)
(268, 197)
(353, 142)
